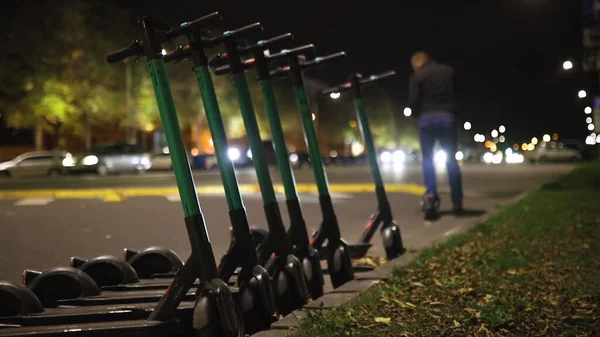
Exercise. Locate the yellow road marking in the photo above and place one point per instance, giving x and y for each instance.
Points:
(118, 194)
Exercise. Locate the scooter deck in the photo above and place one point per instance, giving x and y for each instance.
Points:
(131, 328)
(155, 284)
(122, 297)
(81, 315)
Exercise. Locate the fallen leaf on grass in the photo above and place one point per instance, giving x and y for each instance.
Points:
(512, 271)
(384, 320)
(586, 246)
(456, 324)
(418, 284)
(437, 283)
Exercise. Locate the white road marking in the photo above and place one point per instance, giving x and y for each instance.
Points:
(452, 231)
(174, 198)
(34, 201)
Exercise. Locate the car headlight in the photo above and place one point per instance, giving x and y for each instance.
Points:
(90, 160)
(294, 158)
(68, 161)
(459, 155)
(233, 153)
(399, 156)
(488, 157)
(145, 161)
(386, 157)
(249, 153)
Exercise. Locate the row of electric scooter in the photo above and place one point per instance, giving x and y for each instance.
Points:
(265, 274)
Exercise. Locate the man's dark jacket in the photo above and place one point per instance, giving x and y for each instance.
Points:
(432, 90)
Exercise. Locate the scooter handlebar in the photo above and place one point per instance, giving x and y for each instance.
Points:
(269, 43)
(177, 55)
(363, 82)
(194, 26)
(319, 61)
(223, 70)
(292, 52)
(337, 88)
(234, 33)
(377, 77)
(134, 49)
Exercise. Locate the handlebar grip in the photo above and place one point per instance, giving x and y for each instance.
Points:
(280, 72)
(337, 88)
(292, 52)
(378, 77)
(177, 55)
(265, 44)
(236, 32)
(225, 69)
(133, 49)
(194, 25)
(325, 59)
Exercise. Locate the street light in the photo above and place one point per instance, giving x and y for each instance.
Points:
(546, 138)
(582, 94)
(568, 65)
(534, 141)
(494, 133)
(591, 127)
(502, 129)
(587, 110)
(502, 139)
(467, 126)
(335, 95)
(588, 120)
(407, 112)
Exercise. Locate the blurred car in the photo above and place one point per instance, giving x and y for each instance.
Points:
(35, 163)
(554, 152)
(162, 160)
(116, 158)
(204, 161)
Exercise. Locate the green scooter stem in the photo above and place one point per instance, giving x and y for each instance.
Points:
(260, 162)
(281, 152)
(312, 141)
(365, 128)
(202, 260)
(217, 130)
(181, 167)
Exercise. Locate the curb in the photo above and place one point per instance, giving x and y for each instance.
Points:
(339, 297)
(343, 296)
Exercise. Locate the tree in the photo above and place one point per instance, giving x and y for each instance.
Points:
(61, 81)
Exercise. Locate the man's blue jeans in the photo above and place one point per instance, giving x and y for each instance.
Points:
(440, 128)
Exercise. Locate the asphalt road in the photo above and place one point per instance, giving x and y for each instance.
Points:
(478, 178)
(40, 234)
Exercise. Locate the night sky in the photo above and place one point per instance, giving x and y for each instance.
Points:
(509, 53)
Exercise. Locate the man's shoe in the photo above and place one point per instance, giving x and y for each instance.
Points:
(459, 211)
(430, 205)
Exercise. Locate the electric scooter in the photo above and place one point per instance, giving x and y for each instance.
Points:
(390, 231)
(336, 252)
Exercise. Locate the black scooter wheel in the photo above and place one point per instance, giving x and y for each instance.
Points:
(314, 273)
(392, 241)
(107, 270)
(62, 283)
(18, 300)
(339, 264)
(153, 261)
